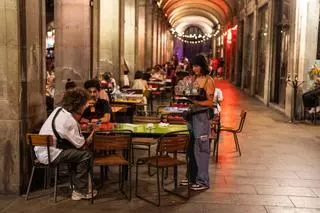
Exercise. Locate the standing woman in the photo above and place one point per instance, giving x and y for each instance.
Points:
(200, 125)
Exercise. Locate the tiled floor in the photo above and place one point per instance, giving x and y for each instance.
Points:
(279, 171)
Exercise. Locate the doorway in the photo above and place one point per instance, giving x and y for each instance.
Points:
(279, 77)
(248, 53)
(261, 50)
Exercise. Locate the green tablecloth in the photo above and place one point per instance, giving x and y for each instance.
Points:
(156, 130)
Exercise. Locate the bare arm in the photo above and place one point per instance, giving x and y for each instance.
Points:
(210, 87)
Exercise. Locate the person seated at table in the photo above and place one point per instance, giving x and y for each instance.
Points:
(217, 99)
(158, 74)
(126, 81)
(140, 84)
(147, 74)
(63, 125)
(98, 109)
(108, 83)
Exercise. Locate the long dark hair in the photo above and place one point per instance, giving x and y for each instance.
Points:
(201, 61)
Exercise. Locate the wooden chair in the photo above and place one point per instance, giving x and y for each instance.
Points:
(44, 141)
(174, 119)
(142, 143)
(236, 131)
(118, 146)
(168, 147)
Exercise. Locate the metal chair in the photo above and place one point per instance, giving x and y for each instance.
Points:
(236, 131)
(168, 147)
(142, 143)
(216, 129)
(45, 141)
(117, 145)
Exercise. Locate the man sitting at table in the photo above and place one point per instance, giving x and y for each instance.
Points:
(98, 109)
(68, 143)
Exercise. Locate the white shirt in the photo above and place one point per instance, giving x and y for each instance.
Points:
(126, 80)
(218, 97)
(67, 128)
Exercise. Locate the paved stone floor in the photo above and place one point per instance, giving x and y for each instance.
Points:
(278, 172)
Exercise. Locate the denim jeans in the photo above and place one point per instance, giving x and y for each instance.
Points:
(200, 126)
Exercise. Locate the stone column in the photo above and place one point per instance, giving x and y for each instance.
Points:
(255, 43)
(73, 42)
(110, 37)
(141, 31)
(95, 37)
(169, 45)
(129, 35)
(165, 41)
(155, 35)
(268, 68)
(22, 73)
(214, 46)
(148, 34)
(303, 46)
(160, 58)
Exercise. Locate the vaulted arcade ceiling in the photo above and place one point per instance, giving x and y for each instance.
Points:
(205, 14)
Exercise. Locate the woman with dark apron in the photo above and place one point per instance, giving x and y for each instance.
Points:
(200, 125)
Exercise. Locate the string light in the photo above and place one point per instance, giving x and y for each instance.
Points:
(191, 38)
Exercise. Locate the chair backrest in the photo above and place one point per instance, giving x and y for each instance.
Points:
(39, 140)
(145, 119)
(112, 140)
(243, 116)
(173, 142)
(176, 120)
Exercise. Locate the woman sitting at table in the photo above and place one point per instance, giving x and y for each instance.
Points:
(200, 125)
(140, 84)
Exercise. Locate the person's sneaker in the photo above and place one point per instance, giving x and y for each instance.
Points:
(198, 187)
(184, 182)
(78, 196)
(83, 196)
(89, 195)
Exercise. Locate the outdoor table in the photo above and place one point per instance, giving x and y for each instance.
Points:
(129, 102)
(140, 129)
(172, 110)
(145, 130)
(127, 116)
(118, 108)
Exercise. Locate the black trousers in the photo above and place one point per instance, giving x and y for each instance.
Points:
(310, 98)
(81, 161)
